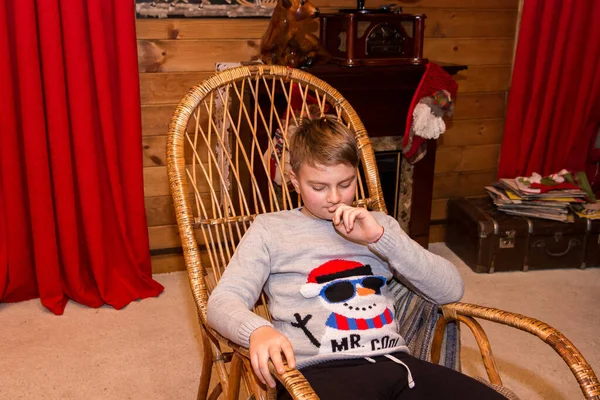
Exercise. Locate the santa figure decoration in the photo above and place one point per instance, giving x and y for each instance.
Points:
(433, 99)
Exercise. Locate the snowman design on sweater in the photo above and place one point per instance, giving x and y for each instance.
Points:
(360, 319)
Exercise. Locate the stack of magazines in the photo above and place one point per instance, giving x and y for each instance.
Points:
(557, 197)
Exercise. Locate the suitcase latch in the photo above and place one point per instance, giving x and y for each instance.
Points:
(508, 242)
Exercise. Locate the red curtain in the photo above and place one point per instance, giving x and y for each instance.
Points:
(72, 214)
(555, 83)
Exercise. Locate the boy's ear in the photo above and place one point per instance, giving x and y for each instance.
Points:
(294, 179)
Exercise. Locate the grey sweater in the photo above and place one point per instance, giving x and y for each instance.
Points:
(326, 294)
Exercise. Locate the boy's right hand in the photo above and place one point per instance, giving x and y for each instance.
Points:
(266, 342)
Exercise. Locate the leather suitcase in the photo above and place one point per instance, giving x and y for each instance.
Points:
(592, 244)
(489, 240)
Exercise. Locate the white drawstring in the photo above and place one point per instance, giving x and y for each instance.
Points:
(411, 382)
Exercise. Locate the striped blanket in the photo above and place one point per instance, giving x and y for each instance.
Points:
(417, 318)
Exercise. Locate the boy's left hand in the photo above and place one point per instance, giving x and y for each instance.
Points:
(356, 223)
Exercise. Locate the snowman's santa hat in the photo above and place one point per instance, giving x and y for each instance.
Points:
(330, 271)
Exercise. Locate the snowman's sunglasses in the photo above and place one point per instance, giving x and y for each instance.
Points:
(336, 292)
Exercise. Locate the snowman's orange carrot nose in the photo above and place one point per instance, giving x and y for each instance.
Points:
(364, 291)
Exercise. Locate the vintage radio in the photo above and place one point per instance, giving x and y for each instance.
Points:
(382, 36)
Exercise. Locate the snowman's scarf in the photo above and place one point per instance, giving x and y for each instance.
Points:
(337, 321)
(417, 318)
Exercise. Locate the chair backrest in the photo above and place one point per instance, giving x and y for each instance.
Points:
(226, 155)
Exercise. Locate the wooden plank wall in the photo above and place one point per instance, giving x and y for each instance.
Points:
(174, 54)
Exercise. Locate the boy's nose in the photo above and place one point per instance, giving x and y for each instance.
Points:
(334, 197)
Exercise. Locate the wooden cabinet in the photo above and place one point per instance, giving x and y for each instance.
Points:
(381, 96)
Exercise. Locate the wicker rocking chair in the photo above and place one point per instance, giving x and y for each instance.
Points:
(222, 162)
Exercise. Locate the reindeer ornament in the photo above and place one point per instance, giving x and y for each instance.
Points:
(287, 40)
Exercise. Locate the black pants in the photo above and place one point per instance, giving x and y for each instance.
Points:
(359, 379)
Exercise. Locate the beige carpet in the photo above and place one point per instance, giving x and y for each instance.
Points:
(150, 349)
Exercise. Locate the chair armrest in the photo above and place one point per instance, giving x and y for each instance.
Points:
(292, 379)
(294, 382)
(583, 372)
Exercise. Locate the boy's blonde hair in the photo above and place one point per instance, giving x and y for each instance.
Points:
(324, 141)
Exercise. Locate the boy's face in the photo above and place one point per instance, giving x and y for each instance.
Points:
(324, 187)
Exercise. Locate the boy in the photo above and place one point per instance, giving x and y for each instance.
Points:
(324, 268)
